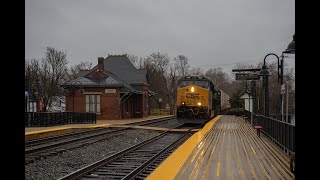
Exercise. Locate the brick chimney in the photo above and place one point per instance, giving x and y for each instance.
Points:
(100, 63)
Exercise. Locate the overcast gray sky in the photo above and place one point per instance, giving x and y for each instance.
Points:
(212, 33)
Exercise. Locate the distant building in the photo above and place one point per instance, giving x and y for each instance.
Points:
(30, 104)
(114, 89)
(225, 103)
(58, 104)
(248, 102)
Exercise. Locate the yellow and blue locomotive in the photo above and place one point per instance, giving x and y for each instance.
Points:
(197, 100)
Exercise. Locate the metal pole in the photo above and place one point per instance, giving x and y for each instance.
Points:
(258, 105)
(282, 96)
(266, 84)
(266, 97)
(287, 120)
(254, 97)
(249, 109)
(282, 115)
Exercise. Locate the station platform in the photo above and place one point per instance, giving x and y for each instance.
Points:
(42, 132)
(226, 148)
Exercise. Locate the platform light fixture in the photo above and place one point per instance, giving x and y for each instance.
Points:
(265, 73)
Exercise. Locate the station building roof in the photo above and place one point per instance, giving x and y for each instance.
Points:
(116, 71)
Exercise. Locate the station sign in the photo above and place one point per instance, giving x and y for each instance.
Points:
(110, 91)
(246, 76)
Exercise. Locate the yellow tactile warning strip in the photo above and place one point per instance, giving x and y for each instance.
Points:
(53, 131)
(64, 128)
(169, 168)
(232, 150)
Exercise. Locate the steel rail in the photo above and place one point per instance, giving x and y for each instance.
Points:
(85, 170)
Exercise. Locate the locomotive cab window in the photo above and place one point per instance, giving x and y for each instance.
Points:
(203, 84)
(185, 83)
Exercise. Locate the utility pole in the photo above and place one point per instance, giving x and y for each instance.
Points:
(287, 103)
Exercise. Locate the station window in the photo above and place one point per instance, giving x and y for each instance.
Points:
(93, 103)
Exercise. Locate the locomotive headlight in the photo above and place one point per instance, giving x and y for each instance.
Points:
(199, 103)
(192, 89)
(183, 103)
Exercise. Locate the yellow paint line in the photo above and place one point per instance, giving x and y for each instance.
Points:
(218, 170)
(82, 127)
(209, 139)
(274, 147)
(43, 131)
(219, 157)
(171, 166)
(151, 128)
(204, 176)
(245, 151)
(194, 155)
(266, 157)
(188, 162)
(64, 128)
(229, 157)
(241, 171)
(262, 167)
(278, 160)
(253, 150)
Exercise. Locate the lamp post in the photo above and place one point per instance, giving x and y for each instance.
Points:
(291, 49)
(265, 74)
(71, 88)
(253, 85)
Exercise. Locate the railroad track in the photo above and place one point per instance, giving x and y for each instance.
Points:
(38, 149)
(98, 130)
(135, 162)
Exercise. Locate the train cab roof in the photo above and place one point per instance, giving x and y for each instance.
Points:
(194, 77)
(198, 78)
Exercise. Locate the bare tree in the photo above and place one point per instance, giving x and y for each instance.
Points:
(160, 61)
(219, 78)
(196, 71)
(74, 70)
(51, 72)
(32, 69)
(182, 65)
(172, 86)
(274, 86)
(137, 61)
(157, 64)
(289, 80)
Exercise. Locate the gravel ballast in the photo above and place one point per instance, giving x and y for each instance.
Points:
(60, 165)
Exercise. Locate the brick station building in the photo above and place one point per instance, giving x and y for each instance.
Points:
(114, 89)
